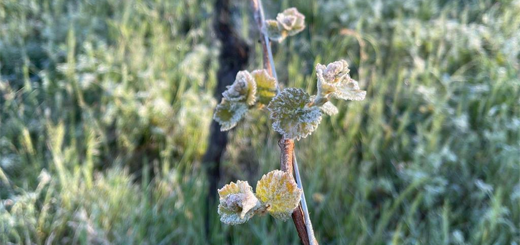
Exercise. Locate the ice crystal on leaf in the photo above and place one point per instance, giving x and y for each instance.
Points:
(325, 106)
(242, 90)
(291, 20)
(292, 116)
(334, 80)
(329, 109)
(330, 76)
(237, 98)
(275, 31)
(265, 85)
(349, 90)
(228, 113)
(279, 193)
(288, 23)
(237, 203)
(276, 194)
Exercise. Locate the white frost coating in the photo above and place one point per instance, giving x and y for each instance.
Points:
(279, 193)
(293, 118)
(237, 203)
(236, 92)
(349, 90)
(334, 80)
(242, 90)
(329, 109)
(291, 20)
(336, 71)
(265, 86)
(228, 113)
(275, 31)
(310, 115)
(237, 98)
(288, 23)
(326, 107)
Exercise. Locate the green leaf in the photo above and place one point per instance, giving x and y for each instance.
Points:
(329, 109)
(275, 31)
(334, 80)
(292, 116)
(278, 191)
(288, 23)
(228, 113)
(242, 90)
(266, 86)
(237, 203)
(292, 21)
(349, 90)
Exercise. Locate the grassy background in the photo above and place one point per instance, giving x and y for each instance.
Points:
(105, 108)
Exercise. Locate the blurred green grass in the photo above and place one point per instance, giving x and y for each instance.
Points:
(106, 105)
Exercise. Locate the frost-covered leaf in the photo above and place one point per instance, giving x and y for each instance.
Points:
(275, 31)
(291, 20)
(266, 86)
(288, 23)
(349, 90)
(292, 116)
(334, 80)
(237, 203)
(278, 191)
(325, 106)
(228, 113)
(329, 109)
(330, 76)
(242, 90)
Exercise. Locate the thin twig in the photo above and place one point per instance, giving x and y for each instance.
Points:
(286, 145)
(308, 224)
(286, 165)
(266, 44)
(270, 54)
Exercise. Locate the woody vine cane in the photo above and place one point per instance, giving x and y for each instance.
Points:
(295, 115)
(303, 226)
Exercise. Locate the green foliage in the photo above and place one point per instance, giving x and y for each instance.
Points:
(248, 89)
(329, 108)
(288, 23)
(266, 86)
(292, 117)
(228, 113)
(334, 81)
(276, 194)
(238, 203)
(296, 114)
(243, 90)
(91, 88)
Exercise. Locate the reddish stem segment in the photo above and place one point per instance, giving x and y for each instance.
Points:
(267, 55)
(286, 145)
(286, 165)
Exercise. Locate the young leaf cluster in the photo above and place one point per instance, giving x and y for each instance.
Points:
(296, 114)
(288, 23)
(248, 90)
(276, 194)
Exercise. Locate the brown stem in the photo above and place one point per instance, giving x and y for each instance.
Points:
(267, 55)
(286, 159)
(286, 165)
(286, 145)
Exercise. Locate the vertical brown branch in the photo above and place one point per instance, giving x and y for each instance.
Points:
(234, 54)
(286, 145)
(286, 165)
(286, 159)
(259, 18)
